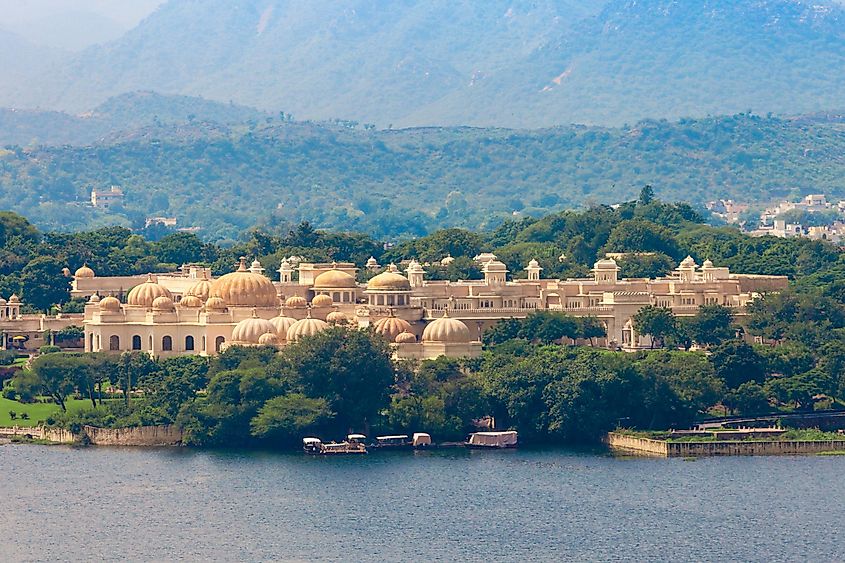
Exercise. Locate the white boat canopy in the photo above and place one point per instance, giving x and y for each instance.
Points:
(397, 437)
(311, 441)
(356, 437)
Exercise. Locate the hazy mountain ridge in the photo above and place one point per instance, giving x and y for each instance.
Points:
(516, 63)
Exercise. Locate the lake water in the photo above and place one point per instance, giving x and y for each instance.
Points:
(60, 503)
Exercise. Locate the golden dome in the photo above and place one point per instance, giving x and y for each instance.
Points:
(163, 304)
(144, 294)
(268, 339)
(305, 327)
(84, 272)
(191, 301)
(334, 279)
(282, 324)
(337, 318)
(406, 338)
(296, 302)
(201, 289)
(243, 288)
(389, 281)
(322, 300)
(391, 327)
(215, 304)
(109, 304)
(446, 329)
(250, 330)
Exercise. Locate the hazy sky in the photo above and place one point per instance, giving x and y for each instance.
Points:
(72, 25)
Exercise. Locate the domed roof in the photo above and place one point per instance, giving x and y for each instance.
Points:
(305, 327)
(250, 330)
(215, 304)
(606, 264)
(243, 288)
(391, 327)
(268, 339)
(414, 268)
(190, 302)
(14, 298)
(406, 338)
(322, 300)
(163, 304)
(334, 279)
(389, 281)
(109, 303)
(144, 294)
(707, 264)
(336, 318)
(446, 329)
(296, 302)
(282, 324)
(201, 289)
(447, 260)
(533, 263)
(84, 272)
(93, 299)
(371, 261)
(688, 262)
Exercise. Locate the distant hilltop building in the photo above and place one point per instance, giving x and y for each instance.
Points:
(106, 199)
(165, 221)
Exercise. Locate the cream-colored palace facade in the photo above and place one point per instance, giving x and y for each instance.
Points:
(190, 313)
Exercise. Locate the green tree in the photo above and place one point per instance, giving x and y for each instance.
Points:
(736, 363)
(43, 283)
(712, 325)
(749, 399)
(283, 419)
(656, 322)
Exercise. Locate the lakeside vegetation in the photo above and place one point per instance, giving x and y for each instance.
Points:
(531, 376)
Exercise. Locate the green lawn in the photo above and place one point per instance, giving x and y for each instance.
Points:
(36, 411)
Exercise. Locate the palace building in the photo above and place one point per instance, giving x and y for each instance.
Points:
(190, 313)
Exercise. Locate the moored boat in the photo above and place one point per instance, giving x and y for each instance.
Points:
(492, 440)
(315, 446)
(399, 441)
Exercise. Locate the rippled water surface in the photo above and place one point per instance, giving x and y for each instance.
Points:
(59, 503)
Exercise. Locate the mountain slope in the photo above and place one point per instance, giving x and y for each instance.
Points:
(515, 63)
(389, 183)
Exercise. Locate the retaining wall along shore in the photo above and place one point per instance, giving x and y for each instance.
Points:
(166, 435)
(664, 448)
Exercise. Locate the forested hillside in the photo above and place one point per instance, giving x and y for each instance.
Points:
(401, 183)
(502, 63)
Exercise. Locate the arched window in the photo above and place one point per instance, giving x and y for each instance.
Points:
(218, 343)
(189, 343)
(114, 342)
(336, 297)
(166, 344)
(136, 342)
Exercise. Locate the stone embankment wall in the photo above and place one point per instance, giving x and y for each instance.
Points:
(635, 444)
(139, 436)
(56, 435)
(693, 449)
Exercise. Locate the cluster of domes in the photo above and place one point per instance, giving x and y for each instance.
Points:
(243, 288)
(144, 294)
(447, 330)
